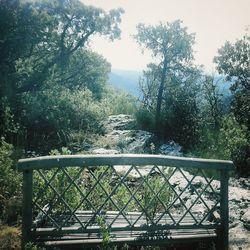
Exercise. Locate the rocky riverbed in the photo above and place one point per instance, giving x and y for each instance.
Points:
(122, 136)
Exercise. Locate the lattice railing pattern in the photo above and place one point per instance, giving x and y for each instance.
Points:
(146, 196)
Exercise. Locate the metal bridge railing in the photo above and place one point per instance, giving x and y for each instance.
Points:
(71, 194)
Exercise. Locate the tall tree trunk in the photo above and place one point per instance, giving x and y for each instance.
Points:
(159, 97)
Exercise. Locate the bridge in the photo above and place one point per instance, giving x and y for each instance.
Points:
(75, 201)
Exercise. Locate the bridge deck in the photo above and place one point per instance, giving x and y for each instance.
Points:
(122, 232)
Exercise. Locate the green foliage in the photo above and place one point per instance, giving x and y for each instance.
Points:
(63, 151)
(31, 246)
(122, 197)
(171, 46)
(179, 118)
(233, 60)
(231, 142)
(104, 232)
(8, 125)
(119, 102)
(210, 146)
(212, 108)
(100, 183)
(85, 70)
(180, 113)
(100, 192)
(145, 119)
(60, 181)
(168, 86)
(241, 107)
(10, 184)
(150, 202)
(52, 116)
(166, 41)
(237, 138)
(51, 84)
(65, 30)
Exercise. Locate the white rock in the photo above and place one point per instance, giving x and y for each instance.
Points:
(238, 194)
(104, 151)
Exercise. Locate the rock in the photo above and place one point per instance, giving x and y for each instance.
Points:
(140, 140)
(120, 122)
(171, 148)
(241, 182)
(142, 171)
(237, 194)
(239, 238)
(104, 151)
(122, 136)
(130, 141)
(246, 219)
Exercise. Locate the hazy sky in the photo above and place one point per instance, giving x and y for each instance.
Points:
(213, 22)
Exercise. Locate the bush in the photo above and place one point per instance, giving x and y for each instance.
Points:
(178, 118)
(60, 182)
(119, 102)
(145, 119)
(10, 238)
(52, 116)
(237, 139)
(231, 142)
(10, 183)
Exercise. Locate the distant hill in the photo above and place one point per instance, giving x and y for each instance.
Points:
(126, 80)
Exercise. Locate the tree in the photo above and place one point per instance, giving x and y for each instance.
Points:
(233, 60)
(85, 70)
(68, 26)
(19, 31)
(38, 36)
(179, 111)
(213, 101)
(44, 54)
(171, 46)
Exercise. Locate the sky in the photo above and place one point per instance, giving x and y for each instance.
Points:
(213, 21)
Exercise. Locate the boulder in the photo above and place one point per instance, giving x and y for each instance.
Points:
(120, 122)
(171, 148)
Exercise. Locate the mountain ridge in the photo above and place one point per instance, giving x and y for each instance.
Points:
(128, 81)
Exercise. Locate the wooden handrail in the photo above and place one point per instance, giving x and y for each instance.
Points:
(48, 162)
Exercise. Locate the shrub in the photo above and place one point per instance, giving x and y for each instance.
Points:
(52, 116)
(231, 142)
(145, 119)
(31, 246)
(150, 202)
(10, 238)
(119, 102)
(60, 181)
(237, 140)
(10, 184)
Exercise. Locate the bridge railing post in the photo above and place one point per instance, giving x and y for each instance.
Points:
(27, 207)
(224, 211)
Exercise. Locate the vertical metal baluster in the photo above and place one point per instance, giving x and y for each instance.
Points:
(223, 238)
(27, 207)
